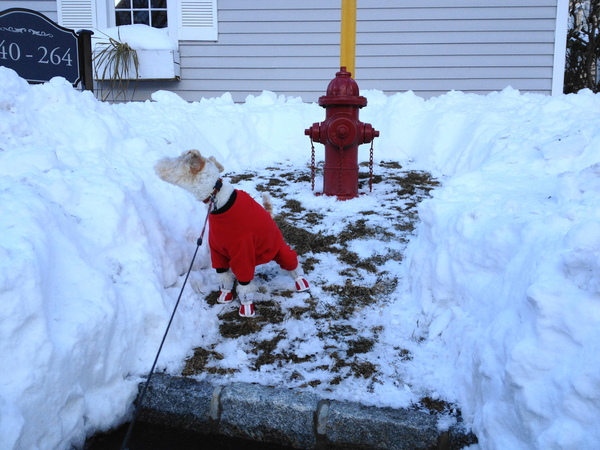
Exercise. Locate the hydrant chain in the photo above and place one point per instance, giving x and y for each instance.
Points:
(312, 165)
(341, 171)
(371, 168)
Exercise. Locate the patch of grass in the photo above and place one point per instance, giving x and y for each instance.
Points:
(234, 326)
(360, 345)
(412, 182)
(313, 218)
(294, 206)
(336, 380)
(363, 369)
(365, 177)
(351, 297)
(348, 257)
(405, 355)
(298, 311)
(313, 383)
(367, 265)
(385, 286)
(356, 230)
(268, 355)
(276, 182)
(303, 179)
(198, 362)
(390, 165)
(290, 176)
(341, 329)
(265, 350)
(270, 311)
(309, 264)
(436, 406)
(211, 298)
(235, 179)
(303, 241)
(285, 294)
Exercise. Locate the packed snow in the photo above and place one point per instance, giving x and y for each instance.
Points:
(498, 298)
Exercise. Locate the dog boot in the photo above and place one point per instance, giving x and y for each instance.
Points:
(246, 294)
(226, 280)
(300, 280)
(247, 310)
(225, 296)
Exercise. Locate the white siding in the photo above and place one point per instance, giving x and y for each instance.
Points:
(429, 47)
(468, 45)
(289, 47)
(46, 7)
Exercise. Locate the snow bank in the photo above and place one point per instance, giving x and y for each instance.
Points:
(506, 267)
(503, 273)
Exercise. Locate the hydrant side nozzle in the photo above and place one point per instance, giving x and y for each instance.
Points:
(314, 132)
(369, 133)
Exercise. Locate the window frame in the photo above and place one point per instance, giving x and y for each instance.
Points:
(188, 20)
(172, 16)
(131, 9)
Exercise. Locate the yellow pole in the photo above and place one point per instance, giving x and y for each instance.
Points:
(348, 36)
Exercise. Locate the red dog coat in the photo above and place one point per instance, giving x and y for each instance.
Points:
(244, 235)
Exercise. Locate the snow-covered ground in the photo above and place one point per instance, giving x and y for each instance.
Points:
(496, 307)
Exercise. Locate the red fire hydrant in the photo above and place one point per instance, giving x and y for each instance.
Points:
(341, 133)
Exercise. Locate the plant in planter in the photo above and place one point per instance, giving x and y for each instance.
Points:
(115, 64)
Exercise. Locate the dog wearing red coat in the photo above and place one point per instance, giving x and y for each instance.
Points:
(242, 234)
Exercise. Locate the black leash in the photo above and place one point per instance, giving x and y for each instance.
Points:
(138, 408)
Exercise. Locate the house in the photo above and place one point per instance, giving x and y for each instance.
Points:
(292, 47)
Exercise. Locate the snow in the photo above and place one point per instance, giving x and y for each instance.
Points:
(498, 300)
(137, 36)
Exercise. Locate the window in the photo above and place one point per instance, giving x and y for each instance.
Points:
(147, 12)
(189, 20)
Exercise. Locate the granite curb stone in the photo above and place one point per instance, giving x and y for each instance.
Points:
(353, 424)
(265, 414)
(291, 418)
(178, 403)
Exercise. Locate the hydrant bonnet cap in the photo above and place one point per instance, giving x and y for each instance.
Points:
(343, 90)
(343, 84)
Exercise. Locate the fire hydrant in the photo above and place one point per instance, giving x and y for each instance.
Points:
(341, 133)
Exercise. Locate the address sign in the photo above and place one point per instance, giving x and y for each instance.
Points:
(37, 48)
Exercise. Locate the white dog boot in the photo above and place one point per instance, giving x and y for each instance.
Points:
(246, 294)
(299, 278)
(226, 280)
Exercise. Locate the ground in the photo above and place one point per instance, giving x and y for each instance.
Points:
(335, 300)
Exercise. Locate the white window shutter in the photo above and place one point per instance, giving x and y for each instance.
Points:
(77, 14)
(198, 20)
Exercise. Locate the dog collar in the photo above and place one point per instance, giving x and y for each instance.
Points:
(227, 205)
(217, 188)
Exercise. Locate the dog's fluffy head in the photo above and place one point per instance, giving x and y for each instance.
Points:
(190, 171)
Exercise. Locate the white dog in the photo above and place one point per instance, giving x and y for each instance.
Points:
(242, 234)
